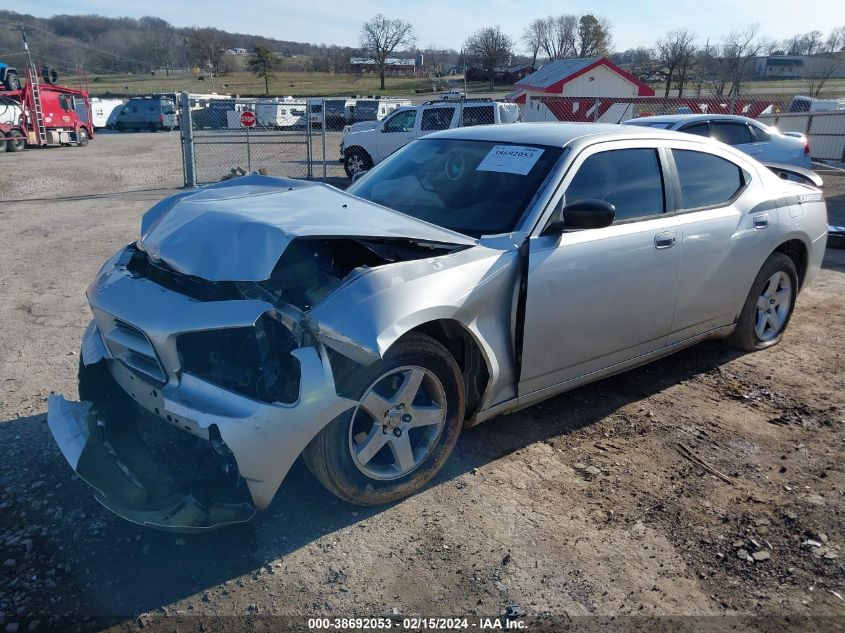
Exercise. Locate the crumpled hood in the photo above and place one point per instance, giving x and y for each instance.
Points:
(238, 229)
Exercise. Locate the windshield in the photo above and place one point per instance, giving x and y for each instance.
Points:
(473, 187)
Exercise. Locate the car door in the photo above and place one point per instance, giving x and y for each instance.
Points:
(725, 238)
(397, 131)
(598, 297)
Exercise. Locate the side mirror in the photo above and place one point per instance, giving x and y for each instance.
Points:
(581, 214)
(358, 175)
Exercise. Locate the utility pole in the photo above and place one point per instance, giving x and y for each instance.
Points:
(211, 73)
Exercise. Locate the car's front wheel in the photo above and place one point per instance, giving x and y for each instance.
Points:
(356, 160)
(769, 305)
(409, 414)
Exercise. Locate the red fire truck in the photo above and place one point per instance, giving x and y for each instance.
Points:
(44, 114)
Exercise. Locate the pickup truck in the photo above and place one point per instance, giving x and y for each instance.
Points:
(368, 143)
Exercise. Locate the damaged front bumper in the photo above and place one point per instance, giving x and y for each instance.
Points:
(132, 345)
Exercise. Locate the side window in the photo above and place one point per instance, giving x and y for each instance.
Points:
(699, 129)
(629, 179)
(478, 115)
(731, 133)
(401, 122)
(706, 180)
(436, 119)
(761, 135)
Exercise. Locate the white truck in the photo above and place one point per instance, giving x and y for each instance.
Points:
(368, 143)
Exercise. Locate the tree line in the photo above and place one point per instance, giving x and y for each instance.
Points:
(676, 61)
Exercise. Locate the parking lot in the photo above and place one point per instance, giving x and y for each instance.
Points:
(643, 494)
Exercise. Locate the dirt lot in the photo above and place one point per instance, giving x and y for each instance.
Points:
(586, 505)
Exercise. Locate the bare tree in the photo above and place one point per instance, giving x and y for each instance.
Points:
(594, 37)
(821, 70)
(675, 53)
(208, 47)
(835, 40)
(436, 59)
(532, 37)
(490, 47)
(381, 36)
(728, 64)
(556, 35)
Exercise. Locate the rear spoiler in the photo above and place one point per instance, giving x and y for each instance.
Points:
(799, 174)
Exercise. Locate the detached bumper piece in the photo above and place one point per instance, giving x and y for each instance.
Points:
(109, 452)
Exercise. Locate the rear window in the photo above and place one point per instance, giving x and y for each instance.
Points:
(699, 129)
(731, 133)
(706, 180)
(478, 115)
(436, 119)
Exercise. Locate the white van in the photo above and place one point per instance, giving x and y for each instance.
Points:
(368, 143)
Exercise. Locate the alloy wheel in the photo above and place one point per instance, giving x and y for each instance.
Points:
(773, 306)
(397, 423)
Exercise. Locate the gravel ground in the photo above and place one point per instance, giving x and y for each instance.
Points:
(586, 505)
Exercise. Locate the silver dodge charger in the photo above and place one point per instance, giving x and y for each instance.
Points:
(475, 272)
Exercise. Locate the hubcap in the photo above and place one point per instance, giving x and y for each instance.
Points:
(397, 423)
(773, 306)
(355, 163)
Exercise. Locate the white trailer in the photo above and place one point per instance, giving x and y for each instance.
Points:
(101, 111)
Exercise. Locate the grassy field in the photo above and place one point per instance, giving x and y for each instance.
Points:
(325, 84)
(247, 84)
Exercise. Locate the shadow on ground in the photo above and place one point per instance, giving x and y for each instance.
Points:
(120, 569)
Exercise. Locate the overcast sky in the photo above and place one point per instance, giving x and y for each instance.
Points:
(447, 23)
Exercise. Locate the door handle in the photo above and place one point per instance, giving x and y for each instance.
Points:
(761, 221)
(664, 240)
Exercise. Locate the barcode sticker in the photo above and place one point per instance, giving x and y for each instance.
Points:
(510, 159)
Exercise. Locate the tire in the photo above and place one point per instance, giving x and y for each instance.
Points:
(120, 127)
(2, 143)
(12, 81)
(82, 137)
(153, 127)
(358, 459)
(768, 308)
(16, 142)
(356, 160)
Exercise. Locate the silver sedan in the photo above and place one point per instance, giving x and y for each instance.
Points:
(473, 273)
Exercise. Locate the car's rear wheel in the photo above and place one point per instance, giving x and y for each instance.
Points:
(769, 305)
(406, 423)
(356, 160)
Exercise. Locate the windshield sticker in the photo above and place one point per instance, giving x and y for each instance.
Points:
(510, 159)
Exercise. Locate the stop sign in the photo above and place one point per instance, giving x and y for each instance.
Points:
(247, 119)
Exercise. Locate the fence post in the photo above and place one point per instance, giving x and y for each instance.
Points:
(596, 111)
(187, 130)
(308, 154)
(323, 134)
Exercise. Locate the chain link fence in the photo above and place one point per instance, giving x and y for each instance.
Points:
(620, 109)
(315, 138)
(332, 139)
